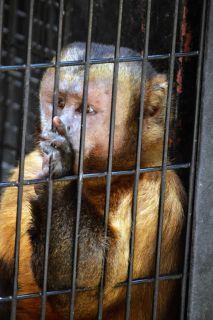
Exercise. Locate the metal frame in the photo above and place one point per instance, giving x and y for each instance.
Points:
(201, 269)
(202, 182)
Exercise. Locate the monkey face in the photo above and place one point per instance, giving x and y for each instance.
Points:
(98, 113)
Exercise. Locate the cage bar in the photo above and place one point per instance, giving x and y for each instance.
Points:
(164, 162)
(200, 281)
(193, 164)
(50, 184)
(3, 113)
(151, 57)
(68, 291)
(1, 25)
(81, 158)
(21, 165)
(195, 284)
(94, 175)
(138, 162)
(110, 154)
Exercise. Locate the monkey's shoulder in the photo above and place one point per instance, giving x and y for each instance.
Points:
(150, 188)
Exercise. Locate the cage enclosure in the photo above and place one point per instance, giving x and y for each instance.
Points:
(168, 41)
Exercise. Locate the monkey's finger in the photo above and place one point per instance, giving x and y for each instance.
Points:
(39, 188)
(60, 127)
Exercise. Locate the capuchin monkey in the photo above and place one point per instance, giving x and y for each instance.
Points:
(58, 149)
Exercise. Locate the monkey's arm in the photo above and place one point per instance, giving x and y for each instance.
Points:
(8, 207)
(8, 210)
(53, 145)
(29, 308)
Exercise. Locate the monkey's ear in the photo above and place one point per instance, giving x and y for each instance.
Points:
(159, 83)
(156, 95)
(161, 86)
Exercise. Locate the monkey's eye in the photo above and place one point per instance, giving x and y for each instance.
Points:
(90, 109)
(61, 102)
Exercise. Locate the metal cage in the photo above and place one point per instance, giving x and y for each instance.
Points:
(26, 48)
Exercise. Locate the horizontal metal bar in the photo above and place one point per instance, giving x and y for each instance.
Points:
(151, 279)
(138, 281)
(97, 61)
(93, 175)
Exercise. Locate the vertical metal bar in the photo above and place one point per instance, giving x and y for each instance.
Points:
(164, 163)
(50, 185)
(138, 161)
(9, 90)
(51, 22)
(1, 25)
(1, 122)
(21, 166)
(110, 153)
(200, 281)
(179, 80)
(193, 162)
(81, 158)
(67, 27)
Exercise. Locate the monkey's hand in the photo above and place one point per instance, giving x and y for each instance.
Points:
(57, 151)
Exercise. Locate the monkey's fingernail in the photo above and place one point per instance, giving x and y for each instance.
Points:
(57, 121)
(59, 125)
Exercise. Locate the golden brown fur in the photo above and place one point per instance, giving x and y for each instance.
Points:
(148, 199)
(8, 206)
